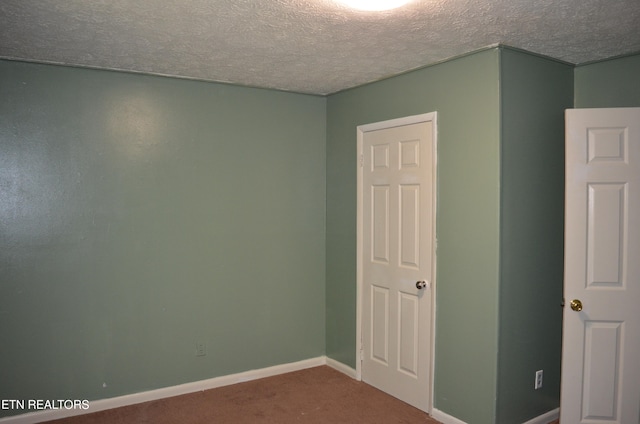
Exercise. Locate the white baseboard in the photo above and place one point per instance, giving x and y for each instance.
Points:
(212, 383)
(165, 392)
(339, 366)
(445, 418)
(545, 418)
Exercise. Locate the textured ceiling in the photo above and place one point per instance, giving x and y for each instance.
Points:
(309, 46)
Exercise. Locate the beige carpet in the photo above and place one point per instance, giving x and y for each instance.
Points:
(318, 395)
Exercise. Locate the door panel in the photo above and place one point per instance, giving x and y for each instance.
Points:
(397, 252)
(409, 226)
(601, 342)
(380, 324)
(380, 224)
(408, 346)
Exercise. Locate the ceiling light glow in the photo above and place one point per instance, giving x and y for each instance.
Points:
(374, 5)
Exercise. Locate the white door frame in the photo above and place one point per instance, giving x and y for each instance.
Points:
(361, 130)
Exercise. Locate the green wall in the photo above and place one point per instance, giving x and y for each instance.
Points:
(611, 83)
(465, 93)
(141, 214)
(534, 93)
(499, 225)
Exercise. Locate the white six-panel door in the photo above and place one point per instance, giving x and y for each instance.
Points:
(601, 342)
(397, 251)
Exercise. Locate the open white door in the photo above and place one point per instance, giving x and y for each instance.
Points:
(396, 256)
(601, 330)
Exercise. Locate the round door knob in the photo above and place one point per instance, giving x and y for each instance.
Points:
(576, 305)
(421, 284)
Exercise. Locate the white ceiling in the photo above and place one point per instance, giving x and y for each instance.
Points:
(308, 46)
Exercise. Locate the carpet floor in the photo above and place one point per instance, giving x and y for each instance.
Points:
(317, 395)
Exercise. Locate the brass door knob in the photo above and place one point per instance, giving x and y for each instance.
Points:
(576, 305)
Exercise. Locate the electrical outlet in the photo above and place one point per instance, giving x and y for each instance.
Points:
(201, 349)
(538, 383)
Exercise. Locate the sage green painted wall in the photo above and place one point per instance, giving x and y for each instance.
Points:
(465, 93)
(141, 214)
(534, 94)
(610, 83)
(136, 211)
